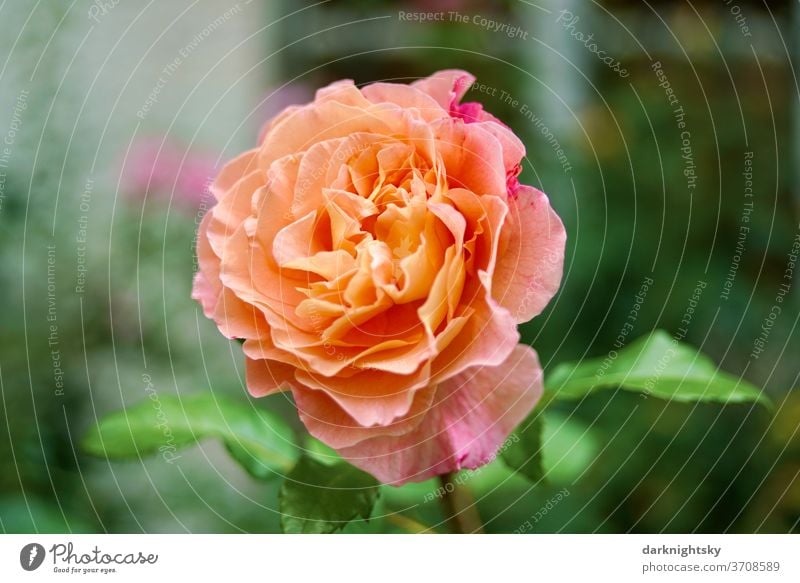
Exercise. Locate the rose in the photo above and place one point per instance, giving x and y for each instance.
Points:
(376, 253)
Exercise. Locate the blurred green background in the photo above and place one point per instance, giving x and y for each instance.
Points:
(116, 113)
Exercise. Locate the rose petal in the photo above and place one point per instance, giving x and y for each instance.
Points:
(531, 257)
(446, 87)
(327, 421)
(406, 96)
(265, 377)
(473, 414)
(473, 157)
(207, 287)
(232, 172)
(371, 397)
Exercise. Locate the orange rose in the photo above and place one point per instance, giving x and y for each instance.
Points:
(376, 254)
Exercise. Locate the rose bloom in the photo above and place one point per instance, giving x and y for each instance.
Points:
(376, 253)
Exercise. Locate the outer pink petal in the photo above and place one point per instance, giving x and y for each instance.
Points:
(238, 319)
(531, 257)
(446, 87)
(233, 171)
(265, 377)
(473, 415)
(318, 122)
(488, 338)
(513, 149)
(204, 292)
(342, 91)
(327, 421)
(407, 97)
(371, 397)
(232, 210)
(472, 156)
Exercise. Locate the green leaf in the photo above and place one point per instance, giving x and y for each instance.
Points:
(260, 441)
(525, 454)
(570, 446)
(24, 514)
(655, 365)
(319, 451)
(320, 498)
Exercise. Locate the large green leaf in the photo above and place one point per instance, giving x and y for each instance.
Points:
(655, 365)
(322, 498)
(525, 454)
(261, 442)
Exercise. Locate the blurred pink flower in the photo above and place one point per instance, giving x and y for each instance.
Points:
(164, 169)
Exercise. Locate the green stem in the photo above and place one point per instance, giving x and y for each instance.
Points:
(409, 524)
(459, 506)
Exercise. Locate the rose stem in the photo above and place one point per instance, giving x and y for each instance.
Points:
(409, 524)
(459, 506)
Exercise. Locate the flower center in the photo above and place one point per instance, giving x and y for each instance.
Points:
(376, 246)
